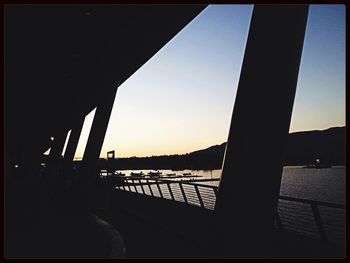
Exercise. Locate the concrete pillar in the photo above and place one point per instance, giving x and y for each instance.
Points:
(52, 170)
(253, 162)
(88, 172)
(70, 151)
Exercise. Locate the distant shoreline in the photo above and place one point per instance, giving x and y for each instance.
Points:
(303, 148)
(288, 166)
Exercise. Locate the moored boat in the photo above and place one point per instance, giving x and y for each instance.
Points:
(157, 173)
(318, 165)
(137, 174)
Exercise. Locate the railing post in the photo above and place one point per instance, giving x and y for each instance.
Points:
(149, 186)
(215, 192)
(278, 221)
(143, 190)
(318, 221)
(134, 185)
(183, 193)
(170, 191)
(160, 190)
(199, 196)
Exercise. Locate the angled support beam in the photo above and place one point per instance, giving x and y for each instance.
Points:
(88, 172)
(53, 166)
(55, 154)
(250, 183)
(70, 151)
(73, 140)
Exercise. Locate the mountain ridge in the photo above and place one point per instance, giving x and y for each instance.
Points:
(302, 148)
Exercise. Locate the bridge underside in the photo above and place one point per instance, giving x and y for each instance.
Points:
(63, 61)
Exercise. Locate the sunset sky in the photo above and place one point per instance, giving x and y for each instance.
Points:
(182, 99)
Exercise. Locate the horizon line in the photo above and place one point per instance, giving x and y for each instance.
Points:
(134, 156)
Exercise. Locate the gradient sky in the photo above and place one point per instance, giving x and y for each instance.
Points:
(320, 97)
(182, 99)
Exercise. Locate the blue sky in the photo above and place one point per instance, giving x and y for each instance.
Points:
(320, 97)
(182, 99)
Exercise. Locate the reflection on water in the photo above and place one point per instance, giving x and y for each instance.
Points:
(316, 184)
(204, 173)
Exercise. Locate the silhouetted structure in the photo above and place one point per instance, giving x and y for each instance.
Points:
(64, 61)
(247, 199)
(302, 148)
(110, 162)
(61, 62)
(110, 155)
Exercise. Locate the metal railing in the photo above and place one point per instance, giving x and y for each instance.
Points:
(316, 219)
(322, 220)
(189, 192)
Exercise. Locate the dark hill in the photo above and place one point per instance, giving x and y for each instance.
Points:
(327, 145)
(302, 148)
(212, 150)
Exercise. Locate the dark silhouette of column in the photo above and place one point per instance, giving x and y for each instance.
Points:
(70, 151)
(88, 172)
(73, 140)
(249, 187)
(52, 171)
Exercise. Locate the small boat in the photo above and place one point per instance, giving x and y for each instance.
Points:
(187, 174)
(157, 173)
(173, 174)
(317, 165)
(119, 174)
(137, 174)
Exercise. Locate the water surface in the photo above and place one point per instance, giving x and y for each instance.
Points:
(326, 185)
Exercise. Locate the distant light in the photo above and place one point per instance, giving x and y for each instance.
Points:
(16, 165)
(88, 14)
(52, 138)
(43, 164)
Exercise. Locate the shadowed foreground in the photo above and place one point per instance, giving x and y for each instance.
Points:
(148, 227)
